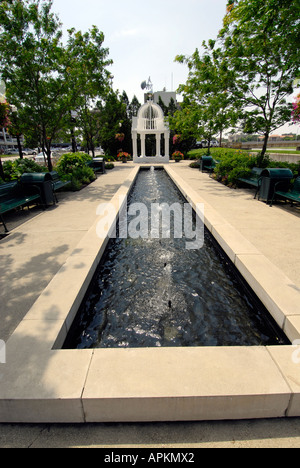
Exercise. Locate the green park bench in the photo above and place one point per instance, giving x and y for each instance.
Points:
(57, 184)
(253, 179)
(98, 165)
(293, 195)
(15, 195)
(208, 164)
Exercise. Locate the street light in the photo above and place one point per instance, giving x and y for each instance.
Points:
(14, 115)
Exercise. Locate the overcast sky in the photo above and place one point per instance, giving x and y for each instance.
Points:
(144, 37)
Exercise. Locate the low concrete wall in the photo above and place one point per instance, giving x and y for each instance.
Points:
(290, 158)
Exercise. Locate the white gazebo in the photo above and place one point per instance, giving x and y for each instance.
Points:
(150, 121)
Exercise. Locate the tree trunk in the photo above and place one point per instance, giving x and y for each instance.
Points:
(49, 162)
(93, 151)
(263, 151)
(92, 148)
(74, 146)
(220, 141)
(208, 149)
(19, 146)
(1, 170)
(47, 150)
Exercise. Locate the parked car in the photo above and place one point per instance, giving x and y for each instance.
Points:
(67, 149)
(198, 145)
(41, 158)
(213, 143)
(29, 151)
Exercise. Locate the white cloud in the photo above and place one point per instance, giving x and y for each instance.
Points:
(123, 33)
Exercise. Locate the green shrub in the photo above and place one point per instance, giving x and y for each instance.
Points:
(195, 164)
(109, 166)
(71, 161)
(14, 169)
(109, 158)
(234, 165)
(216, 153)
(73, 166)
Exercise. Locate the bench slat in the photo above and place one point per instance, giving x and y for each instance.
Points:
(12, 196)
(292, 195)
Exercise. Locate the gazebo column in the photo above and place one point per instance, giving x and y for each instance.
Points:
(158, 138)
(143, 145)
(167, 144)
(134, 144)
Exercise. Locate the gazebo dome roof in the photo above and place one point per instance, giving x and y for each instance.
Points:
(150, 110)
(150, 117)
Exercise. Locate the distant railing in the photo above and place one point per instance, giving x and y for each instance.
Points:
(153, 124)
(271, 144)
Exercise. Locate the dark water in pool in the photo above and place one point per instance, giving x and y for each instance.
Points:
(154, 292)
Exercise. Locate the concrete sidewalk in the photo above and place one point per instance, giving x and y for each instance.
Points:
(275, 231)
(35, 251)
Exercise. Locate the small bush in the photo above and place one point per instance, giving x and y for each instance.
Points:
(234, 165)
(109, 166)
(109, 158)
(73, 166)
(195, 164)
(14, 169)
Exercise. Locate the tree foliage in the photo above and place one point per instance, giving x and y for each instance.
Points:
(134, 107)
(31, 61)
(207, 106)
(259, 42)
(112, 120)
(247, 74)
(44, 79)
(89, 79)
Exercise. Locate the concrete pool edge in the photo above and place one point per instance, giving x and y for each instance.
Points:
(42, 384)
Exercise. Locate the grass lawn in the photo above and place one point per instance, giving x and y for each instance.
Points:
(283, 151)
(197, 152)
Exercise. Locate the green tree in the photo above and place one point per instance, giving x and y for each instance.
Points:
(207, 107)
(260, 42)
(89, 80)
(32, 66)
(134, 107)
(112, 121)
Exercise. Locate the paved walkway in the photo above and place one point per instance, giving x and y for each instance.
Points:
(35, 251)
(275, 231)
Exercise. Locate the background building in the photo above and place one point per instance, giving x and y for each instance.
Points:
(7, 142)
